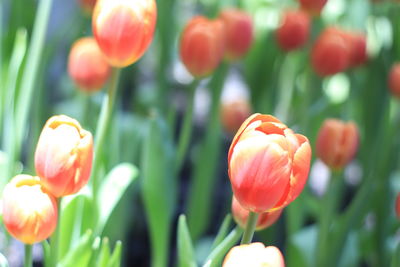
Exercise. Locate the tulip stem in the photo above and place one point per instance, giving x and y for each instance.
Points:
(28, 256)
(55, 238)
(250, 228)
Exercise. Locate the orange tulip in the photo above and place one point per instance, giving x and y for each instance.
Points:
(313, 7)
(254, 255)
(264, 220)
(86, 65)
(337, 143)
(63, 157)
(202, 45)
(294, 30)
(88, 5)
(238, 27)
(397, 206)
(268, 164)
(29, 211)
(234, 113)
(394, 80)
(124, 29)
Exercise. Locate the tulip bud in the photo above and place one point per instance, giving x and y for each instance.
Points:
(124, 29)
(87, 5)
(234, 113)
(397, 206)
(358, 48)
(268, 164)
(254, 255)
(63, 157)
(29, 211)
(87, 66)
(330, 53)
(294, 30)
(337, 143)
(394, 80)
(264, 220)
(313, 7)
(202, 45)
(238, 27)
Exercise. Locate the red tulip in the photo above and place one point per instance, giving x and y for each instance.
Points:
(29, 211)
(268, 164)
(394, 80)
(234, 113)
(337, 143)
(294, 30)
(358, 48)
(397, 206)
(313, 7)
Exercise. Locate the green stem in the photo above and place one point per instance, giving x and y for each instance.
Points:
(250, 228)
(102, 126)
(28, 256)
(55, 238)
(186, 129)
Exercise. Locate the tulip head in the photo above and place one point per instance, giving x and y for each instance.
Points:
(238, 27)
(358, 49)
(234, 113)
(124, 29)
(29, 211)
(294, 30)
(264, 220)
(202, 45)
(397, 206)
(86, 65)
(394, 80)
(337, 143)
(268, 164)
(313, 7)
(254, 255)
(63, 157)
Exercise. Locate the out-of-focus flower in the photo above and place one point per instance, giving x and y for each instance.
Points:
(397, 206)
(394, 80)
(202, 45)
(87, 5)
(268, 164)
(63, 157)
(86, 65)
(29, 211)
(337, 143)
(124, 29)
(254, 255)
(358, 48)
(238, 28)
(234, 113)
(331, 52)
(313, 7)
(264, 220)
(294, 30)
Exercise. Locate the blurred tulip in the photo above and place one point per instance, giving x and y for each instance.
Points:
(397, 206)
(358, 48)
(313, 7)
(264, 220)
(330, 53)
(29, 211)
(394, 80)
(268, 164)
(337, 143)
(238, 28)
(124, 29)
(234, 113)
(202, 45)
(87, 5)
(294, 30)
(86, 65)
(254, 255)
(63, 157)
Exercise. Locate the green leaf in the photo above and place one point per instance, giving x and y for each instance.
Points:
(80, 255)
(396, 257)
(223, 231)
(186, 257)
(46, 253)
(115, 260)
(3, 261)
(112, 189)
(105, 253)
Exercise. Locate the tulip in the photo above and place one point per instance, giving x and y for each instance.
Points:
(63, 157)
(294, 30)
(394, 80)
(124, 29)
(234, 113)
(264, 220)
(313, 7)
(86, 65)
(88, 5)
(337, 143)
(397, 206)
(238, 28)
(254, 255)
(268, 164)
(358, 49)
(202, 45)
(29, 211)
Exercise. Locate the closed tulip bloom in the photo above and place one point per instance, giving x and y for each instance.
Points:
(234, 113)
(202, 46)
(358, 48)
(29, 211)
(394, 80)
(313, 7)
(63, 157)
(87, 66)
(254, 255)
(238, 27)
(397, 206)
(268, 164)
(88, 5)
(264, 220)
(337, 143)
(294, 30)
(124, 29)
